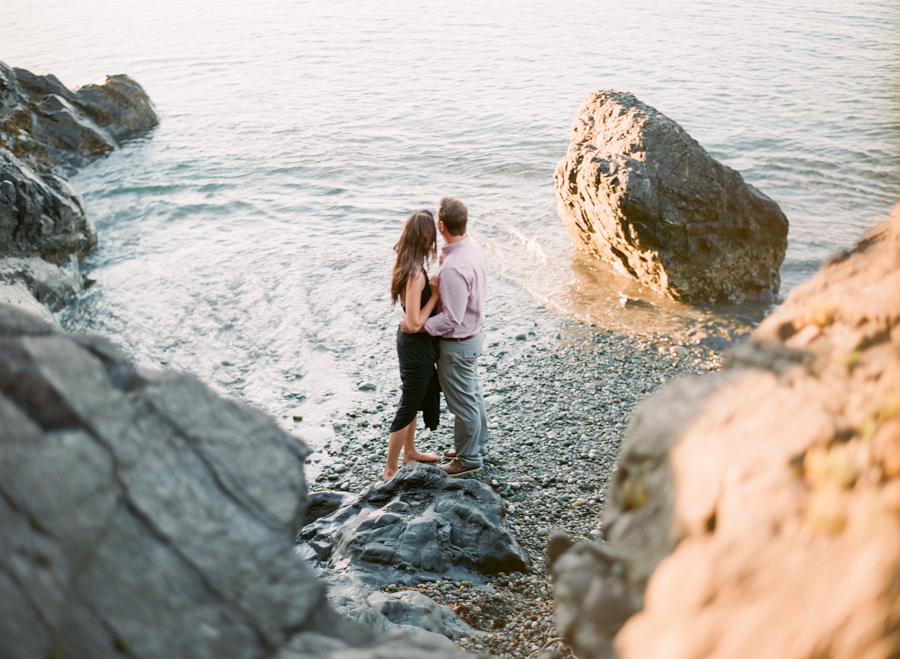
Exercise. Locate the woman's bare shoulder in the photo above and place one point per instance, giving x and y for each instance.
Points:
(415, 281)
(417, 276)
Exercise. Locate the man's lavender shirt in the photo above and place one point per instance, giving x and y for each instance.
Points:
(462, 282)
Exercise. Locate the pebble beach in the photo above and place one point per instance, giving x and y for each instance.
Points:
(558, 399)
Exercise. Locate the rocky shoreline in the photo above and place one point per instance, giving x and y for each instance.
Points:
(558, 405)
(46, 131)
(612, 518)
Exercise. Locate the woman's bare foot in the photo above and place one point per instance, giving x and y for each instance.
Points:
(389, 473)
(416, 456)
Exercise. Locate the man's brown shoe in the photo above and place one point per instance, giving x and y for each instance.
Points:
(455, 468)
(450, 454)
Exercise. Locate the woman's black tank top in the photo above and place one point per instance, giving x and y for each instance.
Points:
(426, 295)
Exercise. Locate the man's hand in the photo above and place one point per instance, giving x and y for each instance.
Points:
(403, 326)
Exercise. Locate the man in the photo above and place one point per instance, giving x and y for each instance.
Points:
(462, 283)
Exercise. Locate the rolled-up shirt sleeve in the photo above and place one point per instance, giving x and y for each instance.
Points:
(454, 291)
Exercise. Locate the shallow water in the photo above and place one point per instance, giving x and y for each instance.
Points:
(248, 239)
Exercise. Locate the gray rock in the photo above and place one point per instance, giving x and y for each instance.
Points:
(40, 215)
(45, 129)
(599, 586)
(143, 515)
(63, 127)
(637, 191)
(591, 602)
(50, 285)
(716, 343)
(384, 611)
(119, 105)
(50, 126)
(419, 524)
(42, 85)
(9, 90)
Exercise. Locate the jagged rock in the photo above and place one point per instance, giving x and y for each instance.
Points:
(783, 481)
(44, 233)
(420, 523)
(62, 128)
(145, 516)
(40, 85)
(46, 129)
(9, 90)
(40, 215)
(119, 105)
(637, 191)
(50, 126)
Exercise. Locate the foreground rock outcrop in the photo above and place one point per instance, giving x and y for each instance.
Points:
(144, 516)
(639, 192)
(46, 130)
(419, 526)
(765, 500)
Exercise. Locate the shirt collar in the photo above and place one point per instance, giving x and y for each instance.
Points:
(449, 247)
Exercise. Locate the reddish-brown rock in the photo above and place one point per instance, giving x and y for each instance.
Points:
(780, 496)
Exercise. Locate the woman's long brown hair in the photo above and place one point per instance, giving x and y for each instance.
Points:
(417, 244)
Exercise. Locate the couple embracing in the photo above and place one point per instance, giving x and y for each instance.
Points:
(440, 338)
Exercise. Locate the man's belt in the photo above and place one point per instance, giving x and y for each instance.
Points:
(465, 338)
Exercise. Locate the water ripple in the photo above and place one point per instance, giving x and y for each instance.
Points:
(248, 239)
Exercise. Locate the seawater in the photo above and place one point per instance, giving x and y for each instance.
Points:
(248, 239)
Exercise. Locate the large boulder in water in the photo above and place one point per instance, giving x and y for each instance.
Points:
(47, 129)
(636, 190)
(119, 105)
(144, 516)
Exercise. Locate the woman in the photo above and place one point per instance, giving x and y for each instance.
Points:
(418, 352)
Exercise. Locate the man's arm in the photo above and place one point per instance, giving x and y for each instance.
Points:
(454, 292)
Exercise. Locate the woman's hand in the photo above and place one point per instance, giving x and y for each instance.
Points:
(404, 325)
(433, 285)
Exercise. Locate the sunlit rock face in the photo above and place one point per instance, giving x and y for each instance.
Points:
(144, 516)
(639, 192)
(775, 485)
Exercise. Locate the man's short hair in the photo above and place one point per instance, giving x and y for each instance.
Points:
(454, 215)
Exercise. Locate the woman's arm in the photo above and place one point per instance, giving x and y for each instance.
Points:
(416, 314)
